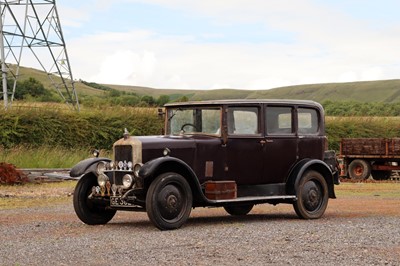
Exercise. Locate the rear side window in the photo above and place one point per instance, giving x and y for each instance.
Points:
(279, 120)
(308, 121)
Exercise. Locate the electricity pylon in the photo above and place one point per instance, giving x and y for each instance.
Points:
(34, 26)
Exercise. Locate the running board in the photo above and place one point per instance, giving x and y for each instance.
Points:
(256, 198)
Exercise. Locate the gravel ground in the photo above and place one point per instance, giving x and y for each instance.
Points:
(269, 235)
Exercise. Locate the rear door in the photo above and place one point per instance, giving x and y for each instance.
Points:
(310, 133)
(280, 142)
(244, 146)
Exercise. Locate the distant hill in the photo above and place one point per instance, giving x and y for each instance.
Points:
(365, 91)
(41, 76)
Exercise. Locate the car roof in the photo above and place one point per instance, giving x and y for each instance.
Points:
(245, 102)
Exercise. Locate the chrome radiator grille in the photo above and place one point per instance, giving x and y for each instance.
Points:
(123, 153)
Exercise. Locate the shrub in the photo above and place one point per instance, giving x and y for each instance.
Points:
(10, 175)
(97, 128)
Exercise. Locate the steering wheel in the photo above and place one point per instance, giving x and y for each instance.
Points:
(187, 124)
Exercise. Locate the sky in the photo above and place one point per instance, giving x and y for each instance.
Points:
(241, 44)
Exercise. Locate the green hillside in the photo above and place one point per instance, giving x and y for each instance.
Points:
(365, 91)
(41, 76)
(387, 91)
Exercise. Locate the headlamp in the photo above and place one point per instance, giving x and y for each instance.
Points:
(166, 152)
(102, 179)
(101, 167)
(127, 181)
(136, 169)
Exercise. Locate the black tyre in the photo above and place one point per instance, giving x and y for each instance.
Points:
(85, 208)
(359, 169)
(169, 201)
(312, 196)
(381, 175)
(238, 210)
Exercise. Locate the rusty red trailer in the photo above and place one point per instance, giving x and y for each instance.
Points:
(361, 157)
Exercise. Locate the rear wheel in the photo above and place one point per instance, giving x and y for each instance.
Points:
(359, 169)
(89, 211)
(312, 196)
(238, 210)
(169, 201)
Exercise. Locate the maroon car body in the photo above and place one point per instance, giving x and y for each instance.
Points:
(233, 154)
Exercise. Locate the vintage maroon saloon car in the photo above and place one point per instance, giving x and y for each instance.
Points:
(231, 154)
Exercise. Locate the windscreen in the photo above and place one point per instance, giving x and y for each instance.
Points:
(194, 121)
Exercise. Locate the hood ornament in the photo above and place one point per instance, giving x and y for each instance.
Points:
(126, 134)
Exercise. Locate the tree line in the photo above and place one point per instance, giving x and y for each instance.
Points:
(33, 90)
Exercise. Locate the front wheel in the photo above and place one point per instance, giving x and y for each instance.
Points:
(312, 196)
(86, 209)
(169, 201)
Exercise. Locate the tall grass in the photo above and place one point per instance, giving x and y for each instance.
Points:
(46, 156)
(96, 128)
(42, 136)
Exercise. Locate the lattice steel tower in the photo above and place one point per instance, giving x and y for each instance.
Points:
(34, 26)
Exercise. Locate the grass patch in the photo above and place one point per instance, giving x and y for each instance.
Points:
(375, 189)
(35, 195)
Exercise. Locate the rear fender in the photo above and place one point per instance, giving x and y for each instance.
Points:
(85, 166)
(310, 164)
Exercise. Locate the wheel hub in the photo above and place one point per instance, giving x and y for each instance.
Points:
(359, 170)
(312, 196)
(172, 202)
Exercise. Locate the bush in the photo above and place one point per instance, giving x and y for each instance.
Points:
(30, 88)
(98, 128)
(9, 175)
(360, 127)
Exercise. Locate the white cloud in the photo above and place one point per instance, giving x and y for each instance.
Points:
(126, 67)
(348, 77)
(326, 45)
(373, 73)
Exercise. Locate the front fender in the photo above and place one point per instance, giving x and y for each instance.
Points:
(87, 165)
(310, 164)
(154, 168)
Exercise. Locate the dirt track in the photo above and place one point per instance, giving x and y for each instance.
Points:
(358, 228)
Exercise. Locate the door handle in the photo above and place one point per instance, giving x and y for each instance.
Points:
(264, 141)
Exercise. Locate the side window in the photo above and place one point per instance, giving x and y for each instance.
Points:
(279, 120)
(308, 121)
(210, 121)
(243, 121)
